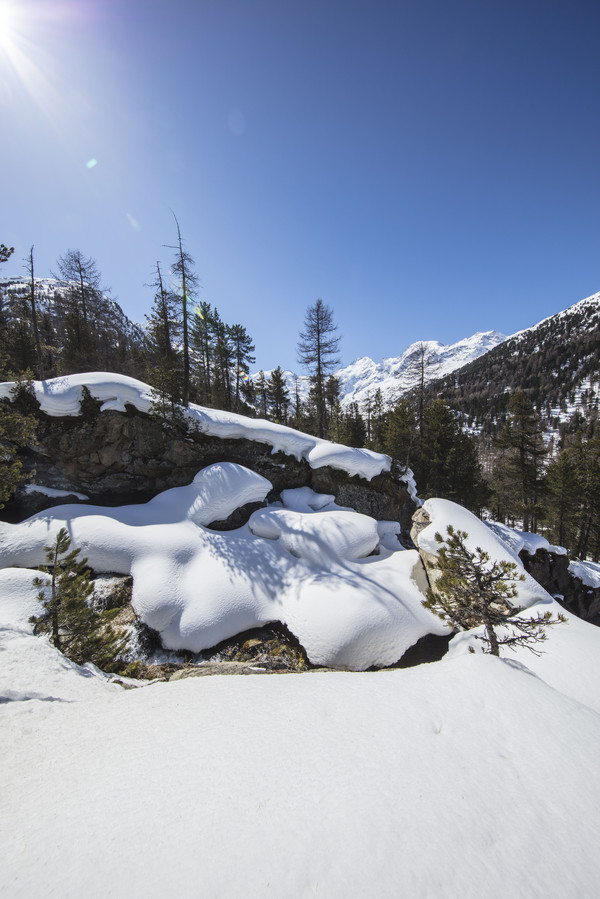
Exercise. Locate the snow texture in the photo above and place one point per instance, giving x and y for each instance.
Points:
(440, 781)
(518, 540)
(62, 396)
(443, 512)
(339, 580)
(53, 491)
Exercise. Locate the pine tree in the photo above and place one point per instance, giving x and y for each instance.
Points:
(261, 392)
(523, 441)
(183, 271)
(34, 315)
(164, 359)
(5, 253)
(318, 349)
(277, 394)
(79, 351)
(473, 591)
(223, 364)
(16, 431)
(400, 432)
(202, 347)
(563, 481)
(75, 627)
(243, 357)
(378, 422)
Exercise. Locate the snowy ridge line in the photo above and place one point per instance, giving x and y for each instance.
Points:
(593, 300)
(62, 396)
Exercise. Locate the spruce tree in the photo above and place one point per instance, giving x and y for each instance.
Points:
(277, 394)
(76, 629)
(473, 591)
(202, 348)
(261, 392)
(16, 431)
(243, 357)
(524, 449)
(183, 272)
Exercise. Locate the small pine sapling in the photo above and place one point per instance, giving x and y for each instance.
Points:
(473, 591)
(77, 630)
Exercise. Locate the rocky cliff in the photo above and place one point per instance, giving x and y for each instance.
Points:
(118, 457)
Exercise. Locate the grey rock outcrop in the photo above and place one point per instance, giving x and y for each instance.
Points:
(116, 458)
(551, 570)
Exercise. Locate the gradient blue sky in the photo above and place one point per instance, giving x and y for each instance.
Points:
(430, 168)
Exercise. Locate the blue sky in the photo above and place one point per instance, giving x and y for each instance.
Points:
(430, 168)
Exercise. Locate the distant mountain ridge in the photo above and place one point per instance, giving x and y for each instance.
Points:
(116, 342)
(556, 363)
(398, 375)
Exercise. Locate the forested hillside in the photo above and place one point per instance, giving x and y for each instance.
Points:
(555, 364)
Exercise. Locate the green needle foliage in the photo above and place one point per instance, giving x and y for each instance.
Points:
(76, 629)
(473, 591)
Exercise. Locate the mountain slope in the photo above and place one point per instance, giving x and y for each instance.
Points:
(115, 338)
(399, 374)
(556, 363)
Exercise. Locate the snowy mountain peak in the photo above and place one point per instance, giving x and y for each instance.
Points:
(399, 374)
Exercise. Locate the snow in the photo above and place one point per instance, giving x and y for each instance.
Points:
(443, 512)
(397, 375)
(523, 540)
(339, 580)
(587, 572)
(52, 491)
(62, 396)
(466, 776)
(400, 374)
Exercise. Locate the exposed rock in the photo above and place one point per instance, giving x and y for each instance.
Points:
(116, 458)
(430, 569)
(205, 669)
(273, 646)
(551, 570)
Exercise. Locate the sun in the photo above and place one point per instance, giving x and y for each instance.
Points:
(9, 23)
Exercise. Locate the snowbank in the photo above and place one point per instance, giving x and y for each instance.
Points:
(587, 572)
(518, 540)
(339, 580)
(61, 396)
(432, 781)
(442, 513)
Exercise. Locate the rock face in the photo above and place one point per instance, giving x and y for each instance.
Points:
(116, 458)
(552, 572)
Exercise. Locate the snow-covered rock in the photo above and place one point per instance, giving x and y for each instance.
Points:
(339, 580)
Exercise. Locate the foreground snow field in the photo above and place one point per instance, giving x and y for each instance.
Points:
(469, 777)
